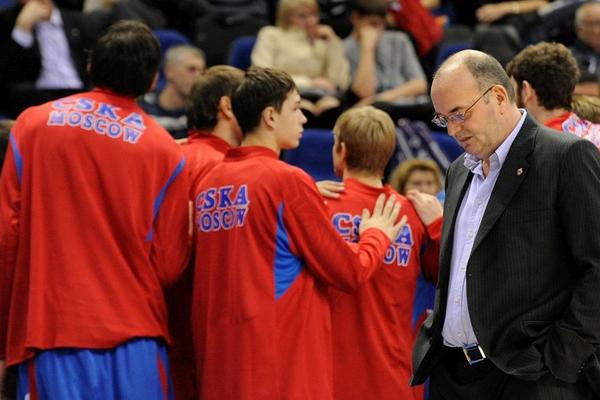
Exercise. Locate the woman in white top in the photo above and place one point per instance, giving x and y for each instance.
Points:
(308, 51)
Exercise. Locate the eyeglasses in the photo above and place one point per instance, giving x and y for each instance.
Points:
(457, 117)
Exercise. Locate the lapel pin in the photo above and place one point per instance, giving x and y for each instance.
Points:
(519, 171)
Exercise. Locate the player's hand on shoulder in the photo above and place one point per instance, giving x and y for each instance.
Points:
(384, 217)
(428, 207)
(330, 189)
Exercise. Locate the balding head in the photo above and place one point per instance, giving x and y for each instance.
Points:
(485, 69)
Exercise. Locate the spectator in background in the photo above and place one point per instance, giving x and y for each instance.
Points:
(94, 217)
(311, 53)
(413, 17)
(383, 64)
(422, 175)
(42, 52)
(182, 66)
(587, 107)
(587, 48)
(544, 76)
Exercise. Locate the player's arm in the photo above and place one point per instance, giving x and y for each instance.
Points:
(10, 204)
(317, 242)
(430, 211)
(170, 235)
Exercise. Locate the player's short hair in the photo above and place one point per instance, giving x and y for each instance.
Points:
(203, 104)
(402, 173)
(261, 88)
(125, 59)
(369, 136)
(550, 69)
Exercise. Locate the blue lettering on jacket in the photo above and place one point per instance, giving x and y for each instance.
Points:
(221, 208)
(99, 117)
(399, 251)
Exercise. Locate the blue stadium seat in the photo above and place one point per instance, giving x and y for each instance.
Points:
(449, 146)
(168, 38)
(7, 3)
(314, 154)
(240, 50)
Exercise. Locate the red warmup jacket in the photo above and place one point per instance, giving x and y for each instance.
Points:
(202, 152)
(93, 210)
(265, 253)
(372, 327)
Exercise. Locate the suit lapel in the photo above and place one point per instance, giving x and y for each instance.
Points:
(512, 174)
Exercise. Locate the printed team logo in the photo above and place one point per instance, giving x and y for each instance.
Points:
(399, 251)
(221, 208)
(99, 117)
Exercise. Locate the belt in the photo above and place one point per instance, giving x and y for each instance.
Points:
(473, 353)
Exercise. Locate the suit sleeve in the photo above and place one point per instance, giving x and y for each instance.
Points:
(324, 251)
(430, 260)
(10, 202)
(571, 340)
(170, 237)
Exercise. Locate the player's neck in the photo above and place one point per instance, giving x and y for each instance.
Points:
(223, 130)
(366, 178)
(262, 139)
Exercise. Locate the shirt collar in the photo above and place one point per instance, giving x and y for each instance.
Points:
(474, 164)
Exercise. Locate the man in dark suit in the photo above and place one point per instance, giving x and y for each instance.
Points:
(517, 311)
(42, 52)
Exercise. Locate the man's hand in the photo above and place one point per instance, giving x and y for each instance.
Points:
(324, 32)
(428, 207)
(330, 189)
(33, 12)
(383, 218)
(492, 12)
(324, 84)
(369, 36)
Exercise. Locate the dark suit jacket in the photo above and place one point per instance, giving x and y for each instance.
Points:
(533, 278)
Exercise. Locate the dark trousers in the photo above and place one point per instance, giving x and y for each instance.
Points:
(454, 379)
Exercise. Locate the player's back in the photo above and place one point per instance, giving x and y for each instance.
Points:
(94, 174)
(260, 313)
(372, 327)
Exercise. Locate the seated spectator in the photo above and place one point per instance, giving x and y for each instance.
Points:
(419, 174)
(413, 17)
(182, 66)
(311, 53)
(544, 76)
(587, 48)
(42, 48)
(383, 64)
(587, 107)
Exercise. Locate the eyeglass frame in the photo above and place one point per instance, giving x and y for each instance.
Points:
(457, 117)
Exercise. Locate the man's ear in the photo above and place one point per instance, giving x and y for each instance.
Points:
(528, 92)
(225, 107)
(269, 117)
